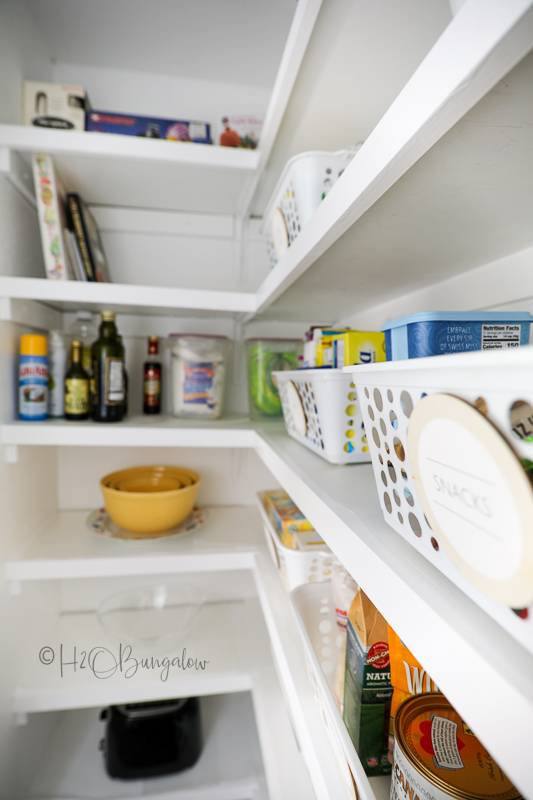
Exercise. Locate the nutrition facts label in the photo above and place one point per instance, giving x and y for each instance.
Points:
(500, 337)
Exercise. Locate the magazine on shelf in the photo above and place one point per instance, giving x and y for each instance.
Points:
(75, 257)
(85, 229)
(50, 194)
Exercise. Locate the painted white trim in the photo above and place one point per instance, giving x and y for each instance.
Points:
(170, 223)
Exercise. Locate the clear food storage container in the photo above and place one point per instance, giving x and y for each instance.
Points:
(263, 356)
(198, 374)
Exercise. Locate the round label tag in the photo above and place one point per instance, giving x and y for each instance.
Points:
(299, 420)
(476, 496)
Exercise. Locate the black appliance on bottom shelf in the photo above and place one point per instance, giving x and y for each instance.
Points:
(146, 740)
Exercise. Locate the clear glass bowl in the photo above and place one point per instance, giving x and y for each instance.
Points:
(154, 614)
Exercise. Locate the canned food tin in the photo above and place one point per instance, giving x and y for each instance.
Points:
(437, 756)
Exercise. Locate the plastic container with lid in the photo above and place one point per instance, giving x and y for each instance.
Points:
(263, 356)
(434, 333)
(33, 378)
(198, 374)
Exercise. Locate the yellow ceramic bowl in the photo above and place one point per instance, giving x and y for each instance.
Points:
(149, 511)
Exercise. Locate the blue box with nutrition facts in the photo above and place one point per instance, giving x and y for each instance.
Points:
(435, 333)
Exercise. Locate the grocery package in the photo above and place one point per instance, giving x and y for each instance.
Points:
(339, 348)
(264, 356)
(437, 755)
(177, 130)
(408, 678)
(53, 105)
(33, 378)
(311, 562)
(367, 685)
(108, 389)
(240, 131)
(305, 181)
(449, 439)
(77, 403)
(343, 588)
(198, 374)
(57, 367)
(152, 372)
(322, 412)
(434, 333)
(287, 518)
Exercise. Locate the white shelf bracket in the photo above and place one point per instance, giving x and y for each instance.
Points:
(18, 174)
(11, 453)
(239, 260)
(6, 310)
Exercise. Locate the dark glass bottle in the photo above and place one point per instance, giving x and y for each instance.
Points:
(108, 372)
(152, 378)
(76, 387)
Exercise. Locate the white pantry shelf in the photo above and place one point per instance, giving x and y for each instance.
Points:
(371, 240)
(219, 637)
(128, 171)
(66, 548)
(125, 298)
(229, 768)
(136, 431)
(467, 653)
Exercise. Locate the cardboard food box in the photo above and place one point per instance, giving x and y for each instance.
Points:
(178, 130)
(53, 105)
(286, 516)
(367, 685)
(240, 130)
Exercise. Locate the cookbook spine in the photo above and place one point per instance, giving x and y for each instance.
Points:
(49, 211)
(74, 206)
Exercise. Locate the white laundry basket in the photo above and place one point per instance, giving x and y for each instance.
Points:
(295, 566)
(321, 411)
(305, 181)
(496, 383)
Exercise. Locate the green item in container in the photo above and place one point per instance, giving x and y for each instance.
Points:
(265, 356)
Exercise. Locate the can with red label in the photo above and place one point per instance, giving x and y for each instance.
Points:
(437, 756)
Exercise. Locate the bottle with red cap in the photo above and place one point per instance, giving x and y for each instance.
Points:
(152, 378)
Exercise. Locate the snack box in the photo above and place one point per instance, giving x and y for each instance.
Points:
(53, 105)
(307, 540)
(342, 348)
(240, 131)
(286, 516)
(177, 130)
(434, 333)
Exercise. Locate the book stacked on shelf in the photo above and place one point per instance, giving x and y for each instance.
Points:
(72, 247)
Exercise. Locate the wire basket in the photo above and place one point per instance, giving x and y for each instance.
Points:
(322, 412)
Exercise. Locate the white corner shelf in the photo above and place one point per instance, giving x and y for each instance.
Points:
(125, 298)
(128, 171)
(66, 548)
(136, 431)
(439, 199)
(219, 636)
(229, 767)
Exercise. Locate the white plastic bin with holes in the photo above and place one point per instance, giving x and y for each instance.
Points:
(314, 610)
(500, 385)
(321, 411)
(303, 184)
(295, 566)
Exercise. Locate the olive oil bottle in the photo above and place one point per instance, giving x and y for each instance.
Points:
(76, 387)
(108, 372)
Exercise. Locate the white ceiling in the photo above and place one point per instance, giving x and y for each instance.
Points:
(231, 41)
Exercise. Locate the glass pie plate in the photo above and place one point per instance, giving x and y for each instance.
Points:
(159, 613)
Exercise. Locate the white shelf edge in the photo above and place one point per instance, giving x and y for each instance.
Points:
(65, 549)
(124, 295)
(477, 49)
(24, 138)
(134, 432)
